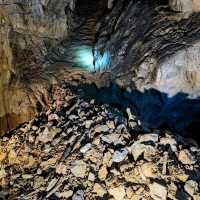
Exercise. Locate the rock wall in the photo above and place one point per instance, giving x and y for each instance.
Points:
(28, 30)
(155, 57)
(37, 38)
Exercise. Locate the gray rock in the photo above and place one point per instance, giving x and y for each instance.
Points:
(79, 195)
(88, 123)
(110, 4)
(137, 149)
(149, 137)
(112, 138)
(86, 148)
(79, 169)
(120, 155)
(101, 128)
(48, 134)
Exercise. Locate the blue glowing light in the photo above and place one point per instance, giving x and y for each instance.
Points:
(102, 61)
(84, 57)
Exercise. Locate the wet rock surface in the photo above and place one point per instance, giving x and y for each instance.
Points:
(75, 161)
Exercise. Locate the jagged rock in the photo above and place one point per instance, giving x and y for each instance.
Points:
(137, 149)
(107, 159)
(79, 195)
(61, 169)
(93, 155)
(118, 192)
(112, 138)
(120, 155)
(99, 190)
(148, 137)
(52, 117)
(27, 176)
(149, 170)
(88, 123)
(182, 177)
(101, 128)
(191, 187)
(129, 192)
(86, 148)
(157, 191)
(79, 169)
(130, 115)
(66, 194)
(110, 124)
(51, 184)
(63, 165)
(48, 134)
(91, 177)
(172, 191)
(172, 142)
(186, 157)
(103, 172)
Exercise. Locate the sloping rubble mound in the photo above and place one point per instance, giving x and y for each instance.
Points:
(81, 150)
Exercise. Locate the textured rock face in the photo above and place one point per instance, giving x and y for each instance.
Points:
(37, 37)
(155, 57)
(28, 29)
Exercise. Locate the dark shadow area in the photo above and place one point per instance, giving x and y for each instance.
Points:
(155, 110)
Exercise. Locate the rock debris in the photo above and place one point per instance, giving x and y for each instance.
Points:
(81, 150)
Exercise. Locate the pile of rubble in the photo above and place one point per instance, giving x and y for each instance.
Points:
(81, 150)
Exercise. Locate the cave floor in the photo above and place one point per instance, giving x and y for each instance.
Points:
(79, 149)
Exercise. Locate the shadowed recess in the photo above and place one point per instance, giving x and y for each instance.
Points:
(154, 108)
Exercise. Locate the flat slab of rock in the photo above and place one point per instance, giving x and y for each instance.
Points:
(79, 169)
(158, 191)
(120, 155)
(118, 193)
(101, 128)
